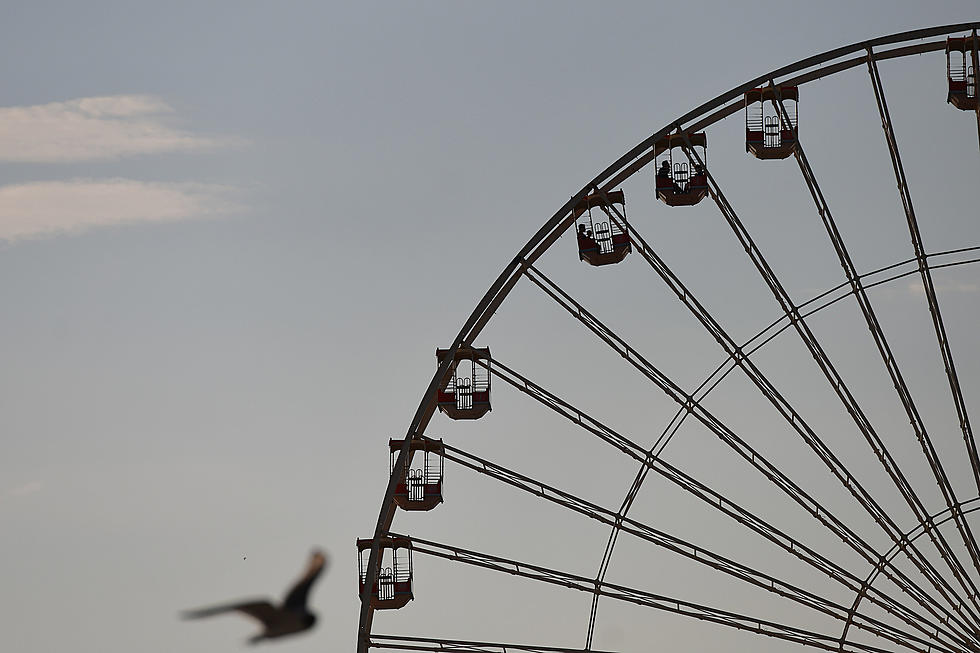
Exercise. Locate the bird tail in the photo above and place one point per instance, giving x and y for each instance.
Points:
(200, 613)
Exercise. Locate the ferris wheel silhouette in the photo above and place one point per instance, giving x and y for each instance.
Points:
(861, 539)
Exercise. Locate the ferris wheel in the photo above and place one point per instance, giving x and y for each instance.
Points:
(742, 414)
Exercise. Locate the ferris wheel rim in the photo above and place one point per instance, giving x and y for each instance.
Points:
(627, 166)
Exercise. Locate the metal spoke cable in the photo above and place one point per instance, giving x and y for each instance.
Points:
(939, 637)
(794, 419)
(689, 550)
(918, 531)
(661, 602)
(721, 372)
(935, 463)
(750, 455)
(863, 497)
(713, 499)
(898, 382)
(927, 283)
(711, 382)
(710, 497)
(777, 326)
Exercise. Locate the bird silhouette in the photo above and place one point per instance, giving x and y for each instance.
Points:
(289, 618)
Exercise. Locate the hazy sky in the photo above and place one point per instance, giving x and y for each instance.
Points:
(233, 234)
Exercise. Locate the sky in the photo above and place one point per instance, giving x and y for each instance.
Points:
(233, 234)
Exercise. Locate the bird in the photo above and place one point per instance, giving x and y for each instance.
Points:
(288, 618)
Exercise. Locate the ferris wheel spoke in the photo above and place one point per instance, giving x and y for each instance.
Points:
(620, 522)
(576, 415)
(897, 378)
(405, 643)
(924, 269)
(918, 531)
(837, 383)
(656, 601)
(958, 400)
(760, 339)
(669, 542)
(650, 461)
(795, 421)
(891, 364)
(750, 455)
(813, 305)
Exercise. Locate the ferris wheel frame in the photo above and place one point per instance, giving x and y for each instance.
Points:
(522, 265)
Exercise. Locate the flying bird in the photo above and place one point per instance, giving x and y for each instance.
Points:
(289, 618)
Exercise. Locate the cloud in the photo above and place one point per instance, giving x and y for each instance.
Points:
(55, 207)
(20, 491)
(94, 128)
(27, 488)
(917, 289)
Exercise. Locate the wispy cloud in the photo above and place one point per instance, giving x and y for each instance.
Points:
(916, 288)
(94, 128)
(27, 488)
(55, 207)
(20, 491)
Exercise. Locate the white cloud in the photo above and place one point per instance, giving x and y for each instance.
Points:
(14, 493)
(916, 288)
(94, 128)
(27, 488)
(54, 207)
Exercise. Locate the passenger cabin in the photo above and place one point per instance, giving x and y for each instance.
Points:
(681, 182)
(465, 390)
(393, 587)
(420, 485)
(602, 236)
(767, 134)
(961, 71)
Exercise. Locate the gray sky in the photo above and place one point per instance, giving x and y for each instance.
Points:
(232, 235)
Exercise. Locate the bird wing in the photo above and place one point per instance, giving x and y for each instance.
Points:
(263, 611)
(296, 598)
